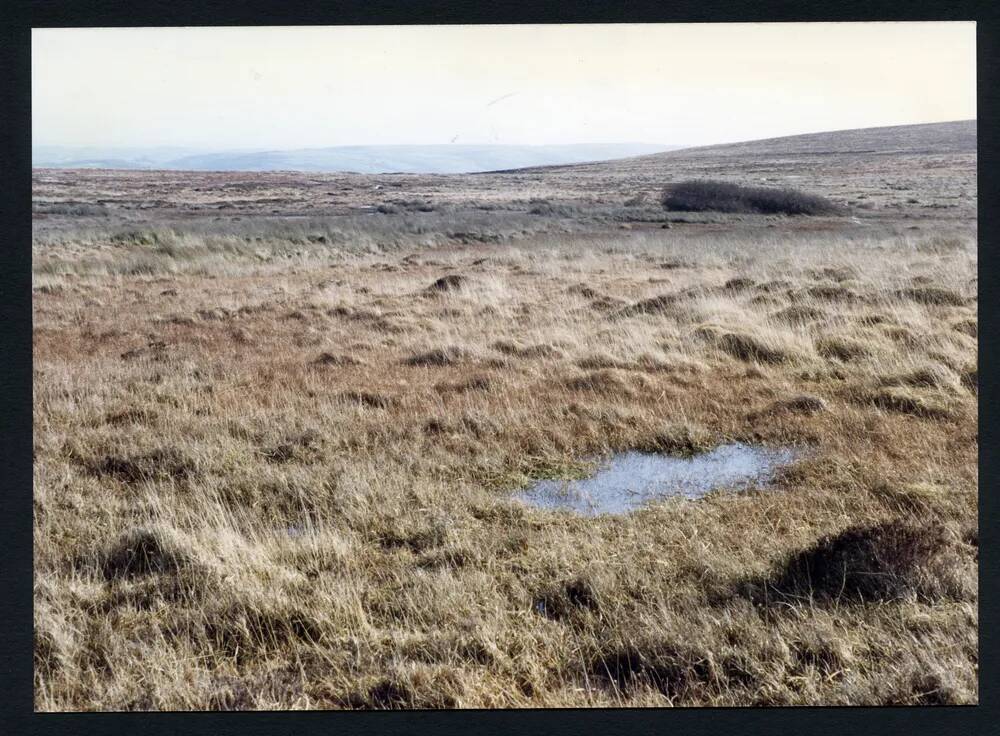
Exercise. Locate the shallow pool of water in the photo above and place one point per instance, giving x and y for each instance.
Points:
(632, 479)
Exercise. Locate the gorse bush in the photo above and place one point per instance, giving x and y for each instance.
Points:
(721, 196)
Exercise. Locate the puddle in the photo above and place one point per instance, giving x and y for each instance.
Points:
(629, 480)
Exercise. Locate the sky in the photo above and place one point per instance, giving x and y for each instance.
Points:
(671, 84)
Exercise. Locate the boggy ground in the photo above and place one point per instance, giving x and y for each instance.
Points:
(288, 482)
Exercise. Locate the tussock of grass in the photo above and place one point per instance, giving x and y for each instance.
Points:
(800, 314)
(970, 378)
(942, 245)
(515, 350)
(932, 296)
(657, 305)
(832, 293)
(451, 282)
(931, 376)
(607, 304)
(968, 327)
(473, 383)
(740, 283)
(415, 687)
(807, 405)
(843, 349)
(921, 498)
(161, 463)
(747, 348)
(439, 357)
(336, 360)
(369, 399)
(560, 602)
(904, 401)
(141, 552)
(665, 667)
(608, 380)
(873, 563)
(132, 415)
(682, 439)
(833, 273)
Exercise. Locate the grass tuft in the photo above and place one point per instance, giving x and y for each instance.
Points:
(140, 552)
(864, 563)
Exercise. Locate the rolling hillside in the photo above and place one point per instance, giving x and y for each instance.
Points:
(914, 173)
(929, 168)
(429, 159)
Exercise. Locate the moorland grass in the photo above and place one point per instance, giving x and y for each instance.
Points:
(320, 514)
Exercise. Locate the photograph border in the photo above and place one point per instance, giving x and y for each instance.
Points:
(16, 640)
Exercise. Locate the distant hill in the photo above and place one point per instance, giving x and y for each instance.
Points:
(926, 169)
(86, 157)
(924, 139)
(430, 159)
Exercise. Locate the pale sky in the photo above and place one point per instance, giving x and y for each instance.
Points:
(296, 87)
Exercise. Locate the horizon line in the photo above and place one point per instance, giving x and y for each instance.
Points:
(269, 149)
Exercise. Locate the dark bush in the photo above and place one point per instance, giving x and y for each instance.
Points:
(720, 196)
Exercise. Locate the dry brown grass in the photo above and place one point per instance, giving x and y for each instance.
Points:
(319, 513)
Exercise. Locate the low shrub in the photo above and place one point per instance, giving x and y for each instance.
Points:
(720, 196)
